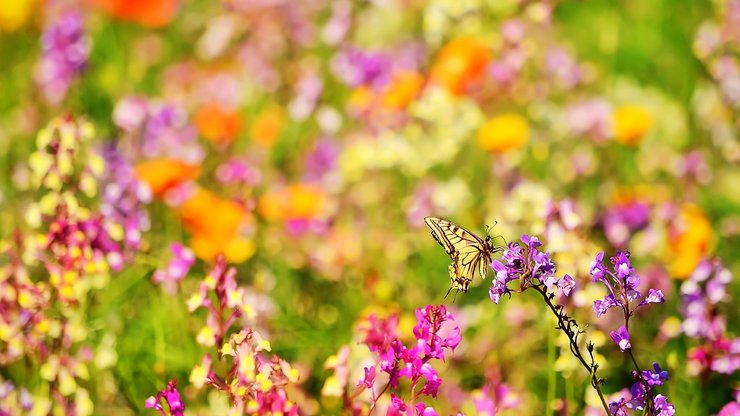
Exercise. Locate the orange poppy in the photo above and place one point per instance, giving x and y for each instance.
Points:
(267, 126)
(217, 123)
(149, 13)
(460, 64)
(215, 234)
(402, 90)
(164, 174)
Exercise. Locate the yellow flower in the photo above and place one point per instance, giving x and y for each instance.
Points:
(689, 240)
(503, 133)
(15, 13)
(630, 123)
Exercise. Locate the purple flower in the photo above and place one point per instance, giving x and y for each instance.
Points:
(656, 377)
(566, 284)
(597, 269)
(653, 296)
(662, 406)
(321, 160)
(602, 306)
(622, 338)
(171, 396)
(65, 50)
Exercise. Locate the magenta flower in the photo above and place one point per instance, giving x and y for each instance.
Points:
(177, 268)
(621, 338)
(171, 396)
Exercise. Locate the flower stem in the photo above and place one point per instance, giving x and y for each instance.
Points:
(566, 324)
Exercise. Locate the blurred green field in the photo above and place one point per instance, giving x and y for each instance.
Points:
(318, 246)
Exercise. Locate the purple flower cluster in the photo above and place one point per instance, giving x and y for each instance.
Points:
(356, 67)
(171, 396)
(659, 404)
(530, 266)
(622, 283)
(621, 220)
(701, 293)
(158, 129)
(435, 332)
(65, 50)
(321, 160)
(123, 200)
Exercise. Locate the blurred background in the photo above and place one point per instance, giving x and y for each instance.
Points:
(306, 141)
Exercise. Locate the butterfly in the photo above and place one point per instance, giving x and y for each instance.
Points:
(470, 254)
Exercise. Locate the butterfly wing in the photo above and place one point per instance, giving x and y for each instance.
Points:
(467, 251)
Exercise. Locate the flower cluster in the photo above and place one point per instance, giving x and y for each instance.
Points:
(157, 129)
(530, 266)
(434, 332)
(622, 284)
(701, 293)
(642, 398)
(621, 220)
(123, 200)
(65, 49)
(254, 382)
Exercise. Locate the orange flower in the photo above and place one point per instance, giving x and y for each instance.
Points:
(215, 224)
(460, 64)
(149, 13)
(216, 123)
(164, 174)
(304, 202)
(631, 122)
(689, 239)
(267, 126)
(296, 202)
(402, 90)
(503, 133)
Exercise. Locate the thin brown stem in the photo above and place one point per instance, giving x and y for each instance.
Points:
(565, 324)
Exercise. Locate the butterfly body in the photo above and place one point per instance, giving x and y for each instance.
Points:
(470, 254)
